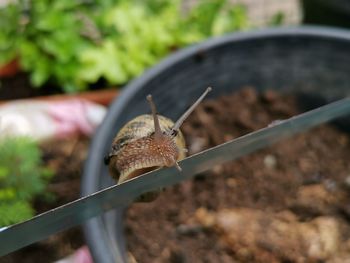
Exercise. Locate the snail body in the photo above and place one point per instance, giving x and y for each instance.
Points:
(132, 157)
(148, 142)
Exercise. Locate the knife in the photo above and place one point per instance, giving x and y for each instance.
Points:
(74, 213)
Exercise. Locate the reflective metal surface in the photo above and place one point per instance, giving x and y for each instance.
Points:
(74, 213)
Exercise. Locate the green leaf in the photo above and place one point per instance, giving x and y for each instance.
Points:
(55, 42)
(25, 178)
(14, 212)
(4, 172)
(102, 62)
(41, 73)
(277, 19)
(7, 193)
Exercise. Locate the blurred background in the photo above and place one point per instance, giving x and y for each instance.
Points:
(261, 13)
(62, 64)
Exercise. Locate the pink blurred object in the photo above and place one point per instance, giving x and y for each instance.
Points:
(82, 255)
(72, 116)
(48, 119)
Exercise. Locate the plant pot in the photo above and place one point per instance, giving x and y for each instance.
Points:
(325, 12)
(103, 97)
(311, 60)
(9, 69)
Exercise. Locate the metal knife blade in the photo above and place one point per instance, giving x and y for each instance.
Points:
(17, 236)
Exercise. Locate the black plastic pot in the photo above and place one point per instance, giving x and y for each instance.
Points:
(311, 60)
(326, 12)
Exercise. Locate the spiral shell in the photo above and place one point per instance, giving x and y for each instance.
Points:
(146, 143)
(131, 154)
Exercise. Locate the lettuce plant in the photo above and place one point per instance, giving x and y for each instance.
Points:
(74, 44)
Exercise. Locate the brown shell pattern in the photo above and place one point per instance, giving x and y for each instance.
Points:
(136, 129)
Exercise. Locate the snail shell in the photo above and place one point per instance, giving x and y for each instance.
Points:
(133, 148)
(146, 143)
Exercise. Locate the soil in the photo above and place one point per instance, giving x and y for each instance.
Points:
(65, 157)
(285, 203)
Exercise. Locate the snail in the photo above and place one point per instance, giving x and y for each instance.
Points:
(148, 142)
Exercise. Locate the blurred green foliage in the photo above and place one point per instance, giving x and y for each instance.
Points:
(46, 36)
(22, 177)
(277, 19)
(76, 43)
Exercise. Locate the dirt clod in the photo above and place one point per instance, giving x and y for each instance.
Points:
(278, 236)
